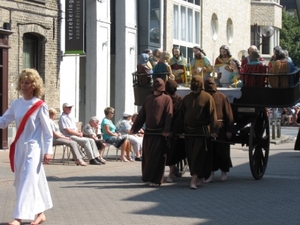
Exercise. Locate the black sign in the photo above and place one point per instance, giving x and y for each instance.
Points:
(74, 41)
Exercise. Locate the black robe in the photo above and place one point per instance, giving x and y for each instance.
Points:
(157, 112)
(199, 113)
(176, 150)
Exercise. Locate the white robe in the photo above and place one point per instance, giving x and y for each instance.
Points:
(32, 191)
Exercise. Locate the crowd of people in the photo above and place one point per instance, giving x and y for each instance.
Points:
(227, 71)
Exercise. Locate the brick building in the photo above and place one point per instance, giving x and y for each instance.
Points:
(33, 43)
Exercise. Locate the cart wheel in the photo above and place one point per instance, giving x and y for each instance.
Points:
(259, 144)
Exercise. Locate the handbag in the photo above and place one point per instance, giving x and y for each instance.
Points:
(19, 132)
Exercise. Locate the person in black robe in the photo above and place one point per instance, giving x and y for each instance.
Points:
(157, 112)
(176, 150)
(221, 150)
(297, 142)
(200, 122)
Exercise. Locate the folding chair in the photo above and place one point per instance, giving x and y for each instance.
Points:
(65, 150)
(108, 148)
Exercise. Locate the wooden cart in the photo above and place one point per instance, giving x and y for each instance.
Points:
(252, 127)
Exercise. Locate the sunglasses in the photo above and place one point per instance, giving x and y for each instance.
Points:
(112, 112)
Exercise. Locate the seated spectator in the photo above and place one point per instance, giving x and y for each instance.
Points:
(163, 67)
(295, 116)
(280, 66)
(67, 126)
(112, 137)
(123, 126)
(142, 130)
(91, 130)
(60, 139)
(235, 77)
(286, 116)
(254, 66)
(143, 69)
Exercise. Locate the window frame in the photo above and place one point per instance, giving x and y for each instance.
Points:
(178, 40)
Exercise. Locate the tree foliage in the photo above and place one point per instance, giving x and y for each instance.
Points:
(290, 35)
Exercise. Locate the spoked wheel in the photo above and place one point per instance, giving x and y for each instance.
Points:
(259, 144)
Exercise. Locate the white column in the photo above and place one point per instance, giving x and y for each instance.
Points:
(126, 56)
(97, 58)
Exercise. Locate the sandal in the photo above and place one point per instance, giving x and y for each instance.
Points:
(103, 161)
(123, 159)
(129, 158)
(81, 162)
(154, 185)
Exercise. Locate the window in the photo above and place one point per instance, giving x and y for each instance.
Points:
(196, 2)
(264, 43)
(187, 52)
(229, 31)
(187, 26)
(186, 23)
(30, 51)
(155, 20)
(176, 23)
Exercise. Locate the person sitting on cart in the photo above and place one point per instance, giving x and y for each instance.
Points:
(281, 66)
(254, 66)
(200, 65)
(221, 150)
(143, 71)
(235, 76)
(246, 60)
(162, 69)
(178, 64)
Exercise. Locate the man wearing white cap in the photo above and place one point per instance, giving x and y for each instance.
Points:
(67, 126)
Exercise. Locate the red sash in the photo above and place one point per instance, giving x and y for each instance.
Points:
(19, 132)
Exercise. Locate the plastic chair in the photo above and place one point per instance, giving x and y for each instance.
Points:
(65, 149)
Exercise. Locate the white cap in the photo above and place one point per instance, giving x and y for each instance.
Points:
(66, 105)
(126, 114)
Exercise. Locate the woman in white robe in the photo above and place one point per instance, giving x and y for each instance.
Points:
(33, 147)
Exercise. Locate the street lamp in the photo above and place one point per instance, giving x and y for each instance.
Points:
(266, 33)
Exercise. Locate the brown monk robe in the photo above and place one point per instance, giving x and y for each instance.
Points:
(199, 118)
(221, 151)
(176, 150)
(157, 112)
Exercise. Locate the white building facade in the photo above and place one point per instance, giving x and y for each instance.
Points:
(117, 31)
